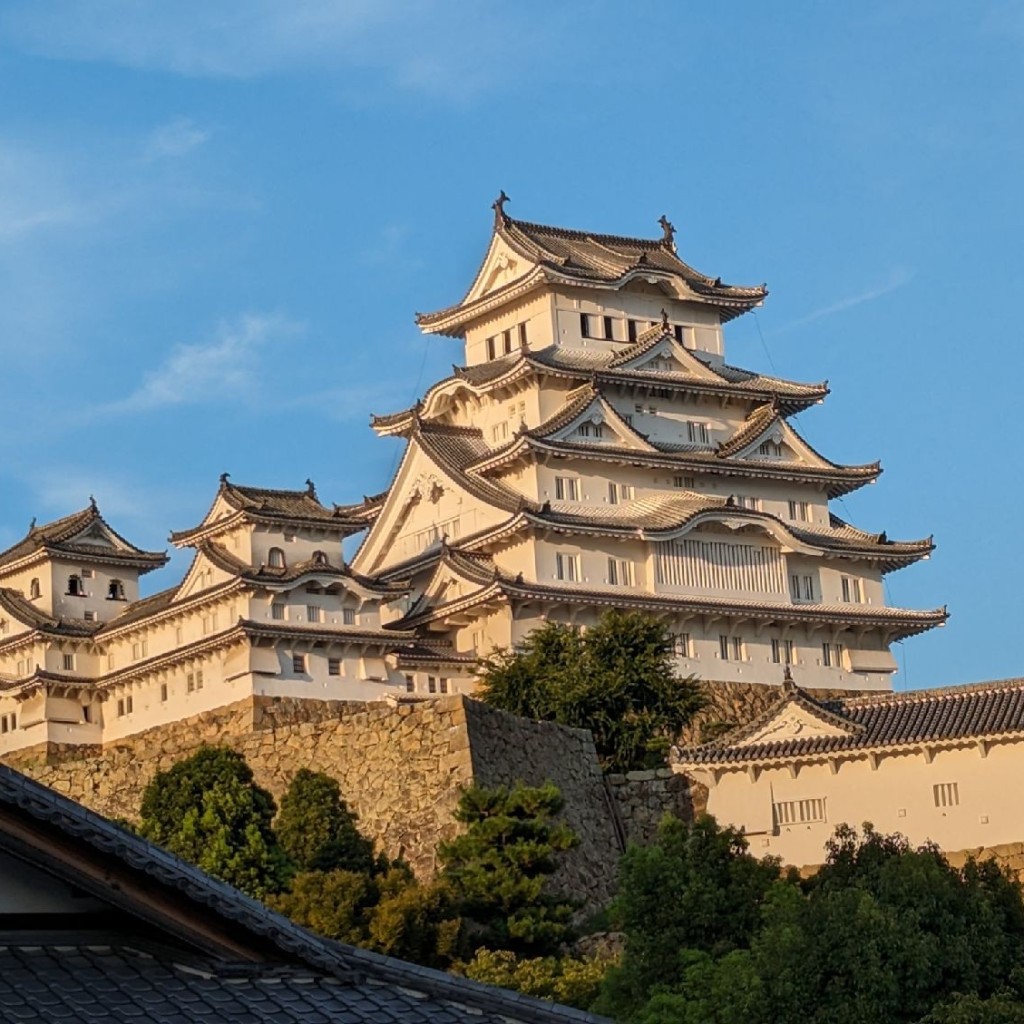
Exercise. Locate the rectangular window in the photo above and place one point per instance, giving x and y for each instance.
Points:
(681, 646)
(163, 692)
(677, 332)
(110, 662)
(177, 635)
(334, 666)
(567, 488)
(832, 655)
(522, 335)
(491, 351)
(277, 611)
(585, 325)
(190, 682)
(697, 432)
(799, 812)
(206, 624)
(798, 510)
(631, 330)
(410, 684)
(506, 341)
(688, 482)
(567, 567)
(120, 707)
(442, 685)
(3, 724)
(499, 432)
(620, 492)
(69, 662)
(782, 652)
(770, 448)
(86, 574)
(746, 501)
(90, 616)
(730, 648)
(312, 613)
(620, 572)
(199, 678)
(431, 684)
(609, 331)
(808, 588)
(946, 794)
(299, 664)
(852, 592)
(348, 616)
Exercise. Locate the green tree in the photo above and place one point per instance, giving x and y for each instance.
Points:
(618, 680)
(414, 921)
(208, 810)
(696, 888)
(336, 904)
(317, 830)
(573, 981)
(498, 871)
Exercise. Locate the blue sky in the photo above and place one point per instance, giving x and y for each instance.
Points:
(217, 220)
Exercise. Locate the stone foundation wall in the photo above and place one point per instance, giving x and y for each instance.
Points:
(642, 799)
(400, 768)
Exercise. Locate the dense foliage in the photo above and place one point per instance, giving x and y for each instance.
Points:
(884, 932)
(318, 831)
(498, 871)
(618, 680)
(574, 981)
(208, 810)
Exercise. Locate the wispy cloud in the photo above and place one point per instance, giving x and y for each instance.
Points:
(436, 47)
(219, 369)
(175, 138)
(897, 279)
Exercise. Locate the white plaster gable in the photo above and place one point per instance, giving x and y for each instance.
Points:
(502, 265)
(202, 574)
(614, 430)
(793, 721)
(97, 534)
(794, 447)
(668, 356)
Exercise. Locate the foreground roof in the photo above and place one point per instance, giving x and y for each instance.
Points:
(592, 259)
(198, 949)
(84, 535)
(870, 723)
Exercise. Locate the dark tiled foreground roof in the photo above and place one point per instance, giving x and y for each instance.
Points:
(977, 712)
(287, 975)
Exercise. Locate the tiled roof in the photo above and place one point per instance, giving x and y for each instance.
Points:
(590, 258)
(975, 712)
(58, 536)
(286, 974)
(285, 507)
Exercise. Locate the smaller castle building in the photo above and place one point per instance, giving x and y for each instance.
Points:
(267, 607)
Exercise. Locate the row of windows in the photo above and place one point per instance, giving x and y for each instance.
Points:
(813, 810)
(610, 328)
(8, 723)
(734, 648)
(276, 558)
(76, 588)
(435, 684)
(501, 344)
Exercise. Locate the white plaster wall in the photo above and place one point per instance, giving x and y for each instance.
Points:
(897, 796)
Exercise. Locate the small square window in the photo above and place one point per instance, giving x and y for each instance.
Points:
(69, 662)
(299, 664)
(334, 666)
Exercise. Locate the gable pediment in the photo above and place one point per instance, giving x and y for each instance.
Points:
(778, 442)
(599, 423)
(502, 266)
(668, 356)
(795, 720)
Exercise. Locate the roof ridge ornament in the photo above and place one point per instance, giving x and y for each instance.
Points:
(224, 479)
(789, 686)
(310, 488)
(92, 504)
(664, 318)
(498, 206)
(668, 232)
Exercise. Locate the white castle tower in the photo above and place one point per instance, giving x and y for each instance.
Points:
(597, 451)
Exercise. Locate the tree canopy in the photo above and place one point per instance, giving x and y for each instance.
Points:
(498, 871)
(208, 810)
(617, 679)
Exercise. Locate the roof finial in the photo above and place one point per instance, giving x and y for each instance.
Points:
(668, 231)
(664, 318)
(32, 525)
(224, 479)
(92, 504)
(310, 488)
(498, 206)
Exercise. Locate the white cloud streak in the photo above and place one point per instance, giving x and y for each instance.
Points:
(176, 138)
(897, 279)
(218, 370)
